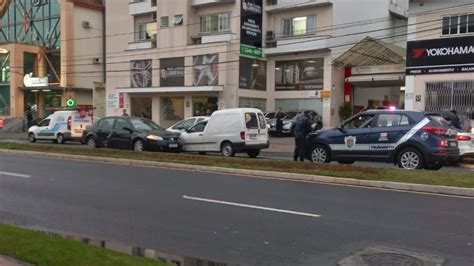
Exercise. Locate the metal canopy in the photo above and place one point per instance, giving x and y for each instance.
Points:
(371, 52)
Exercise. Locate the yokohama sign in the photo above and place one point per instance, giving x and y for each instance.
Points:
(441, 56)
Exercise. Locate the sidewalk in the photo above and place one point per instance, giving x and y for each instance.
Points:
(5, 261)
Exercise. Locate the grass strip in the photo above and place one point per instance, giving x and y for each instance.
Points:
(41, 249)
(453, 179)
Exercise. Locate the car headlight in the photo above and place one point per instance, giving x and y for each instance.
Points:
(154, 137)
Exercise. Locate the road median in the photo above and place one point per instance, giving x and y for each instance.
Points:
(40, 249)
(449, 183)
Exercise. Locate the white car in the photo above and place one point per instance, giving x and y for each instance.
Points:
(465, 143)
(60, 127)
(186, 124)
(229, 131)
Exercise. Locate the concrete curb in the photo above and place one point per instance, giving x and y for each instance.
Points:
(446, 190)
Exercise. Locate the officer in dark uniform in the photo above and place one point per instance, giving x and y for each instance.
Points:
(302, 129)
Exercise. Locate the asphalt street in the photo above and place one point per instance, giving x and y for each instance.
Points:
(234, 219)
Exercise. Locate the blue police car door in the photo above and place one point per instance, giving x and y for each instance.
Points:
(351, 141)
(388, 130)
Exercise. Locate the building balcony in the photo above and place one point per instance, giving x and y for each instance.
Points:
(140, 7)
(198, 3)
(285, 5)
(296, 44)
(142, 44)
(398, 9)
(213, 38)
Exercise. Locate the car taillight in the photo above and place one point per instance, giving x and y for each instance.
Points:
(242, 135)
(69, 122)
(443, 143)
(463, 138)
(436, 130)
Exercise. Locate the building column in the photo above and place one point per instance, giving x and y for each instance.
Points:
(156, 109)
(410, 93)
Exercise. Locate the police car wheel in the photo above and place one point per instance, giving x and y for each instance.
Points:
(410, 159)
(138, 145)
(60, 139)
(433, 166)
(320, 154)
(91, 143)
(32, 137)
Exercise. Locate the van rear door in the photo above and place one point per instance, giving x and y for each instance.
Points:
(256, 128)
(78, 124)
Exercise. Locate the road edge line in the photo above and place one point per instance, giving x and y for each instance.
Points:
(443, 190)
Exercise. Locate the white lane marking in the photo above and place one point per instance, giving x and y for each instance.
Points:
(15, 174)
(252, 206)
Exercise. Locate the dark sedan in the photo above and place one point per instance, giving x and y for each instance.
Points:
(130, 133)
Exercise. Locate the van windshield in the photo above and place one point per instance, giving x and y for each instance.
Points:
(251, 121)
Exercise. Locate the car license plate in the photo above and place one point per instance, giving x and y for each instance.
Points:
(453, 144)
(253, 136)
(79, 131)
(173, 145)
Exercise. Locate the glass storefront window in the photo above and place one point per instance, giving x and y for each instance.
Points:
(253, 103)
(288, 105)
(29, 63)
(141, 107)
(4, 83)
(204, 105)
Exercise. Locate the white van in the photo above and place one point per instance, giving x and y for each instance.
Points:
(60, 126)
(229, 131)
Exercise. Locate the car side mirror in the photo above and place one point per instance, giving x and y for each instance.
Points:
(340, 127)
(127, 129)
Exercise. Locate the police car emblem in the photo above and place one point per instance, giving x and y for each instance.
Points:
(350, 142)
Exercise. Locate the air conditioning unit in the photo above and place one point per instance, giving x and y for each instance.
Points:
(86, 24)
(97, 60)
(153, 16)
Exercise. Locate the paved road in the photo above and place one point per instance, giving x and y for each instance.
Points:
(227, 218)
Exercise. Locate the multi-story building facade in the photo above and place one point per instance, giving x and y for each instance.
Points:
(440, 56)
(50, 51)
(171, 59)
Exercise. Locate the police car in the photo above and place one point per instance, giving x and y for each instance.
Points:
(410, 139)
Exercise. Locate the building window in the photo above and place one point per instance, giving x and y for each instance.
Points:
(146, 31)
(214, 23)
(299, 26)
(178, 20)
(458, 24)
(253, 103)
(165, 22)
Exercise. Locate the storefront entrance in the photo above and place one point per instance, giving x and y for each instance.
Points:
(141, 107)
(172, 110)
(449, 95)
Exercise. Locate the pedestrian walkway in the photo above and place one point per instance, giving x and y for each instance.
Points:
(5, 261)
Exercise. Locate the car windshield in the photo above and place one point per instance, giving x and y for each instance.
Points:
(291, 115)
(144, 124)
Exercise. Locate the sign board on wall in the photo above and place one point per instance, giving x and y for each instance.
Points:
(112, 100)
(438, 56)
(172, 72)
(251, 13)
(30, 81)
(383, 69)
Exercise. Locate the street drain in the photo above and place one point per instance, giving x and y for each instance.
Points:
(391, 259)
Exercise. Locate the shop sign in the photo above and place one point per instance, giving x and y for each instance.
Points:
(439, 56)
(251, 14)
(121, 100)
(252, 74)
(318, 94)
(30, 81)
(304, 74)
(112, 100)
(206, 70)
(382, 69)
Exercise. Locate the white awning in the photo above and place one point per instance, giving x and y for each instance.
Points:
(172, 89)
(377, 80)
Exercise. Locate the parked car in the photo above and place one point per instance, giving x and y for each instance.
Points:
(135, 133)
(186, 124)
(410, 139)
(288, 124)
(269, 115)
(60, 127)
(229, 131)
(466, 143)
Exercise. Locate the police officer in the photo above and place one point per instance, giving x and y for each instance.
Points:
(302, 129)
(279, 115)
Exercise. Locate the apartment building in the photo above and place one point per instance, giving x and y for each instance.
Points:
(172, 59)
(50, 51)
(440, 56)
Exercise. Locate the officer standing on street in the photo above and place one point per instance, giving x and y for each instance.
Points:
(302, 129)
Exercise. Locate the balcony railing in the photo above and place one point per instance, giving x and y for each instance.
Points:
(140, 7)
(293, 44)
(142, 44)
(284, 5)
(210, 2)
